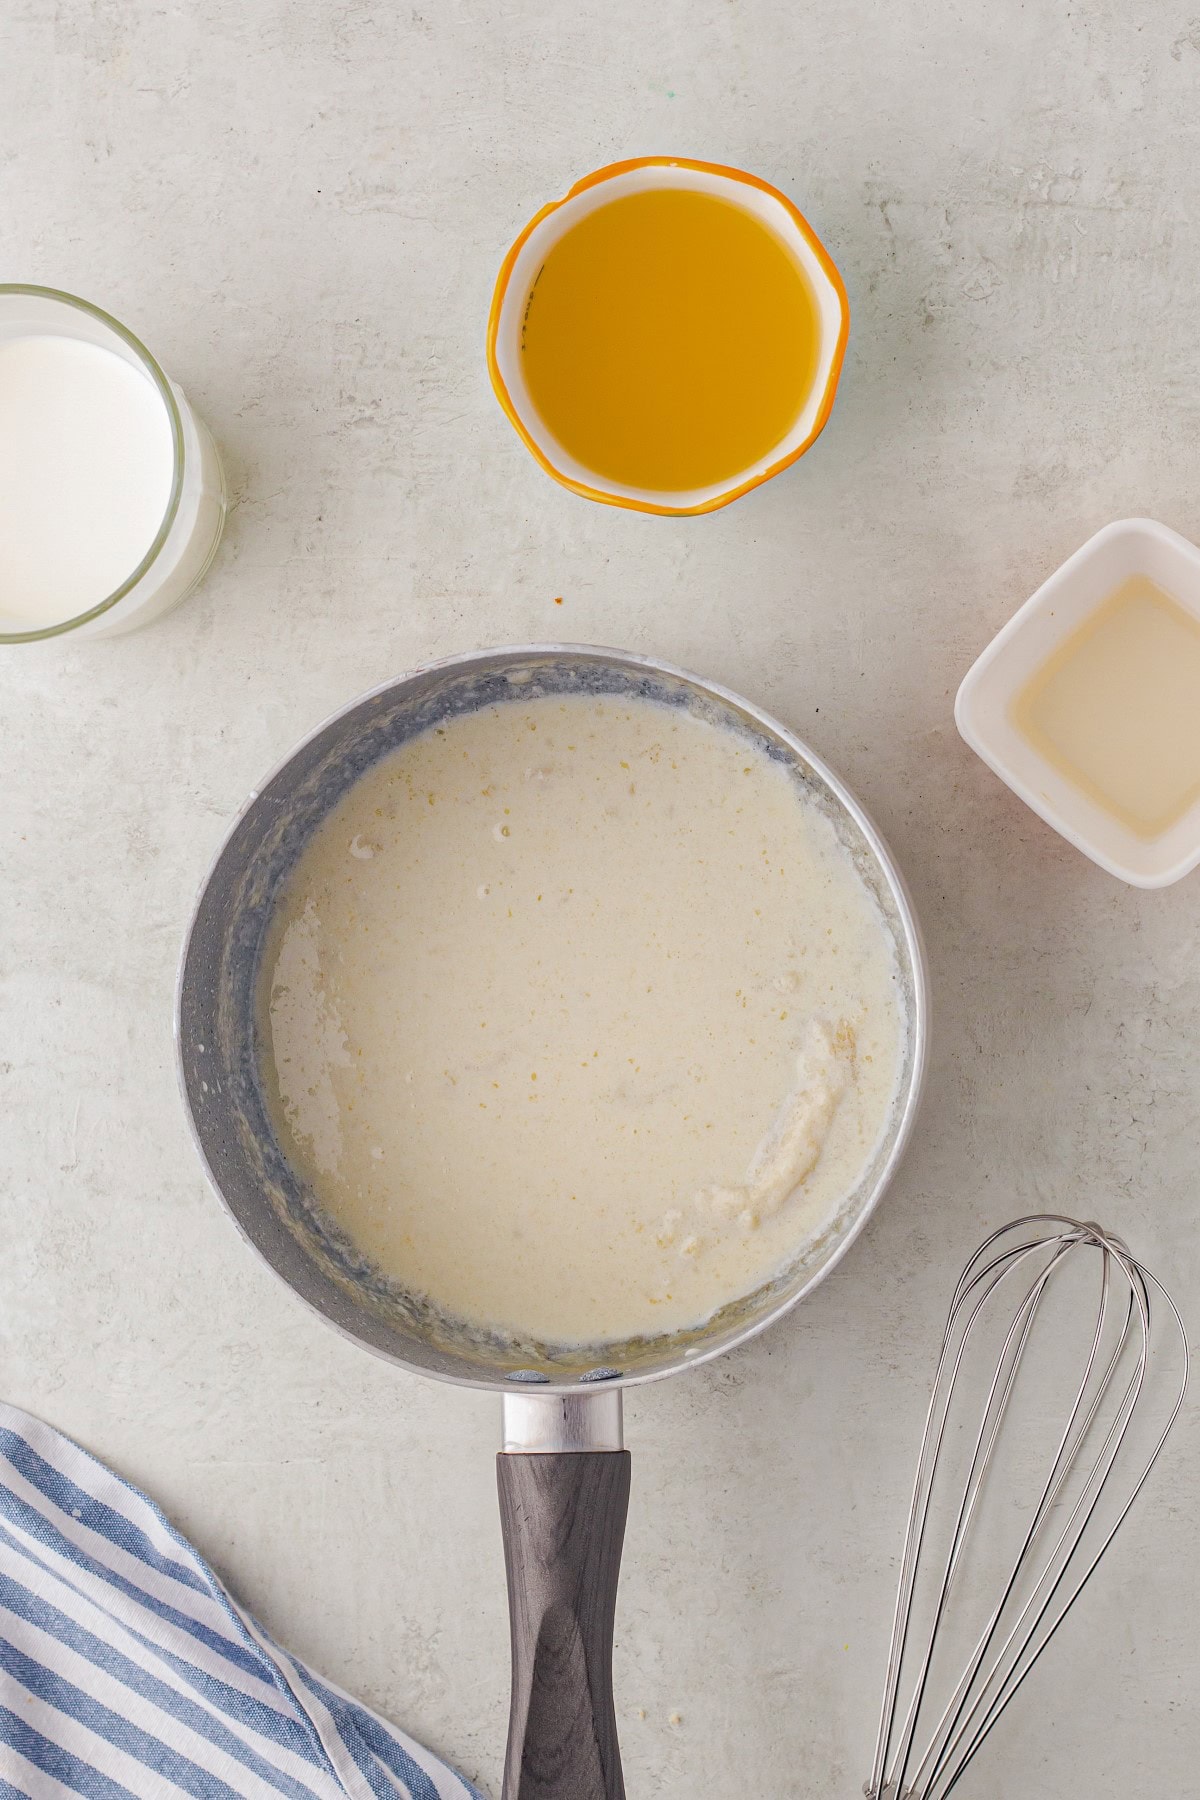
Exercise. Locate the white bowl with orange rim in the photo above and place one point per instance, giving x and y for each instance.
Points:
(668, 335)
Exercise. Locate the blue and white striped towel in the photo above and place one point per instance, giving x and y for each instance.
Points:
(127, 1672)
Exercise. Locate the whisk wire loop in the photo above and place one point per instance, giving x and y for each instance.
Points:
(1092, 1454)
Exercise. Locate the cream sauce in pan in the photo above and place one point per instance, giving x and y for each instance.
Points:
(580, 1020)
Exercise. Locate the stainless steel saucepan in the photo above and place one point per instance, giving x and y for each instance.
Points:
(563, 1472)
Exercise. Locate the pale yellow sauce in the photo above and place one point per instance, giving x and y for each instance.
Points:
(582, 1020)
(1116, 709)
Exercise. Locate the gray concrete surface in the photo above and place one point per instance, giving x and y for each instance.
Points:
(301, 208)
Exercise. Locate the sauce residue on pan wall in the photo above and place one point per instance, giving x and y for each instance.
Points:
(580, 1019)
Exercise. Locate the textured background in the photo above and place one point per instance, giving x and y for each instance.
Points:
(301, 208)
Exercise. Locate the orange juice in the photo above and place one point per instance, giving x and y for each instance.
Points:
(669, 340)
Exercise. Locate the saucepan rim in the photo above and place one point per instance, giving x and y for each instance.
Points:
(697, 1352)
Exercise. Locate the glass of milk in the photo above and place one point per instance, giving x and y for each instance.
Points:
(111, 494)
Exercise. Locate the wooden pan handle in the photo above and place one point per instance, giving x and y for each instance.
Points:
(563, 1519)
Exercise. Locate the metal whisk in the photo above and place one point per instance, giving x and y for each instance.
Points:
(1120, 1403)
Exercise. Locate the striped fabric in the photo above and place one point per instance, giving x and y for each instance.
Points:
(127, 1672)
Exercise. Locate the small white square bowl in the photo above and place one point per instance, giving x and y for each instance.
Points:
(983, 709)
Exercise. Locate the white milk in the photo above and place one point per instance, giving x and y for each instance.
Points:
(86, 462)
